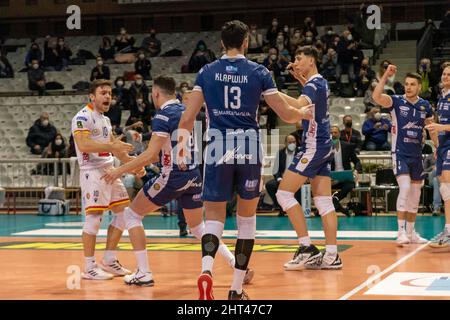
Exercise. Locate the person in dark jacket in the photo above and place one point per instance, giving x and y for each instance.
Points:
(138, 87)
(114, 113)
(351, 135)
(344, 155)
(106, 50)
(41, 134)
(36, 78)
(282, 162)
(6, 70)
(376, 130)
(200, 57)
(143, 65)
(52, 58)
(143, 111)
(34, 53)
(100, 71)
(122, 93)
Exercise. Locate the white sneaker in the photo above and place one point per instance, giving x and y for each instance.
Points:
(402, 238)
(115, 268)
(96, 274)
(139, 279)
(414, 237)
(301, 257)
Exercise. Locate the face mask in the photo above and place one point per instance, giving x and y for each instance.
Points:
(329, 32)
(348, 124)
(349, 37)
(113, 102)
(45, 123)
(120, 83)
(139, 82)
(308, 39)
(142, 56)
(184, 89)
(35, 66)
(201, 48)
(61, 43)
(274, 23)
(385, 66)
(58, 142)
(273, 57)
(100, 63)
(286, 29)
(424, 66)
(335, 141)
(123, 32)
(297, 34)
(253, 31)
(377, 116)
(291, 147)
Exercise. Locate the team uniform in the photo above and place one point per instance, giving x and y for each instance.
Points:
(172, 182)
(232, 88)
(408, 121)
(97, 195)
(443, 150)
(314, 157)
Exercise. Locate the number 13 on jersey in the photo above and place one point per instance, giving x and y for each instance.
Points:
(233, 102)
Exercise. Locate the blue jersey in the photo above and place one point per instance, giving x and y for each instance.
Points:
(408, 121)
(232, 89)
(443, 111)
(316, 132)
(164, 124)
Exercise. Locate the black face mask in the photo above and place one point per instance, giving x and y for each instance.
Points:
(348, 124)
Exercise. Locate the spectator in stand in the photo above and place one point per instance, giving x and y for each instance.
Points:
(345, 51)
(106, 50)
(52, 59)
(255, 41)
(121, 93)
(287, 33)
(329, 64)
(298, 133)
(100, 71)
(142, 111)
(445, 23)
(429, 167)
(320, 53)
(124, 42)
(34, 53)
(428, 80)
(6, 70)
(309, 25)
(57, 149)
(389, 86)
(295, 40)
(182, 93)
(281, 42)
(351, 135)
(365, 77)
(428, 22)
(64, 53)
(277, 66)
(41, 134)
(138, 88)
(36, 78)
(152, 44)
(328, 38)
(115, 113)
(143, 65)
(200, 57)
(308, 40)
(272, 33)
(369, 103)
(358, 57)
(282, 161)
(335, 43)
(376, 129)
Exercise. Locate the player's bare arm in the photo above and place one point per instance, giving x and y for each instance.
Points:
(87, 145)
(286, 112)
(378, 96)
(144, 159)
(187, 121)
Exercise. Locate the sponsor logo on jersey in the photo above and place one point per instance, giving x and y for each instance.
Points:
(191, 183)
(166, 160)
(233, 113)
(412, 125)
(87, 176)
(80, 118)
(105, 132)
(231, 69)
(161, 117)
(95, 132)
(197, 197)
(412, 134)
(79, 124)
(304, 161)
(422, 108)
(157, 186)
(88, 195)
(250, 185)
(404, 108)
(408, 140)
(423, 115)
(232, 154)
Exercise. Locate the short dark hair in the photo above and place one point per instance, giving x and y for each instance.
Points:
(97, 84)
(309, 51)
(166, 84)
(414, 75)
(234, 33)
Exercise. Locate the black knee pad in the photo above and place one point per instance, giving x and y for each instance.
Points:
(243, 252)
(210, 245)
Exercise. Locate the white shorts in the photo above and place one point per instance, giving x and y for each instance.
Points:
(97, 195)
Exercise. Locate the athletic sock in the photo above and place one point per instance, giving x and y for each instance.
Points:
(238, 279)
(409, 227)
(401, 225)
(331, 249)
(89, 263)
(110, 256)
(304, 241)
(142, 261)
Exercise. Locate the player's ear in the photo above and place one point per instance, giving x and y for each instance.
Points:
(91, 97)
(223, 46)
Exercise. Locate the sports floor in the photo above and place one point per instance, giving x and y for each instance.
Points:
(41, 257)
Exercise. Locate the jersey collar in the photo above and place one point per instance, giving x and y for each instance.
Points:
(445, 93)
(317, 75)
(173, 101)
(418, 98)
(239, 56)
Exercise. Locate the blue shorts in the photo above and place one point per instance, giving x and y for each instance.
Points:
(232, 167)
(312, 162)
(413, 166)
(184, 186)
(442, 160)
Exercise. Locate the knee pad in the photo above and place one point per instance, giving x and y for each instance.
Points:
(286, 199)
(92, 224)
(118, 221)
(445, 191)
(404, 184)
(198, 231)
(412, 204)
(132, 219)
(214, 227)
(324, 205)
(246, 227)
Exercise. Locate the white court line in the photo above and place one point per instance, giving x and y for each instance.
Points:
(382, 273)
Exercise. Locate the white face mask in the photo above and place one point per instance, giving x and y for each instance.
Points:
(45, 123)
(349, 37)
(58, 142)
(113, 102)
(100, 63)
(377, 116)
(141, 56)
(308, 39)
(286, 29)
(120, 83)
(273, 57)
(329, 32)
(140, 101)
(35, 66)
(291, 147)
(138, 82)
